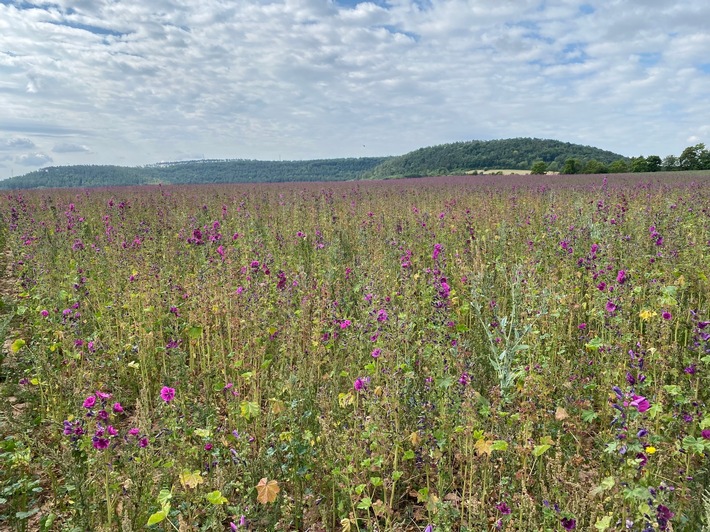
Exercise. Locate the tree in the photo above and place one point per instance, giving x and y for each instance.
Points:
(618, 167)
(539, 168)
(594, 167)
(653, 163)
(691, 157)
(572, 166)
(638, 164)
(670, 163)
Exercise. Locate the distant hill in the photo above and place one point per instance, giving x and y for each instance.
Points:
(461, 157)
(444, 159)
(196, 172)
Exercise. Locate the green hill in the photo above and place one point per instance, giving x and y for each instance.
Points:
(461, 157)
(444, 159)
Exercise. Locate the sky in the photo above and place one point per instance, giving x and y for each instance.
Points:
(134, 82)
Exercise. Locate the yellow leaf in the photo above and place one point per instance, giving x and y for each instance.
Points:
(345, 524)
(561, 414)
(267, 490)
(414, 438)
(483, 446)
(277, 406)
(191, 479)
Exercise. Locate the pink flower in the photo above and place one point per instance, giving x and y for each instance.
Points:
(640, 403)
(44, 313)
(134, 431)
(117, 408)
(90, 401)
(103, 395)
(167, 394)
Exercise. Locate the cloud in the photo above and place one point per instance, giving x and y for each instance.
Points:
(16, 143)
(140, 82)
(33, 159)
(66, 147)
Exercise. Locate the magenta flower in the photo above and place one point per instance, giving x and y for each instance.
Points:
(640, 403)
(143, 442)
(705, 434)
(666, 315)
(100, 443)
(621, 277)
(568, 523)
(359, 384)
(167, 394)
(90, 401)
(610, 307)
(503, 508)
(208, 446)
(134, 431)
(44, 313)
(376, 353)
(117, 408)
(111, 430)
(103, 395)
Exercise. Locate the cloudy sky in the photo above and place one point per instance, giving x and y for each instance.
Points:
(134, 82)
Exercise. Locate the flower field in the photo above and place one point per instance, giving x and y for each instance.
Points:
(468, 353)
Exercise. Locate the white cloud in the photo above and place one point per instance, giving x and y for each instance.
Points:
(67, 147)
(33, 159)
(137, 82)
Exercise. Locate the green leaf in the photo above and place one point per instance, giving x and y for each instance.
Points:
(157, 517)
(365, 503)
(696, 445)
(376, 481)
(249, 409)
(499, 445)
(164, 497)
(539, 450)
(589, 415)
(603, 523)
(216, 497)
(408, 455)
(605, 485)
(194, 332)
(17, 345)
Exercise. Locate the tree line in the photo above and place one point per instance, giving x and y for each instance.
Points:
(695, 157)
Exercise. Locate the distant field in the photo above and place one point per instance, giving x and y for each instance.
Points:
(472, 353)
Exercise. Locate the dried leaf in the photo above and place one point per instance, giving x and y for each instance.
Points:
(483, 446)
(267, 490)
(561, 414)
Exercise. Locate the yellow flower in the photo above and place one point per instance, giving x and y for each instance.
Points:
(650, 449)
(646, 315)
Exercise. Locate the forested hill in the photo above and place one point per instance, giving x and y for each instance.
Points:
(460, 157)
(196, 172)
(444, 159)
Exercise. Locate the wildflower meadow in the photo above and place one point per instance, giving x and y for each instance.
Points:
(479, 353)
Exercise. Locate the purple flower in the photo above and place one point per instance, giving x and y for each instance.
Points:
(134, 431)
(359, 384)
(376, 353)
(102, 415)
(103, 395)
(691, 370)
(640, 403)
(208, 446)
(382, 315)
(117, 408)
(436, 252)
(100, 443)
(610, 307)
(568, 523)
(503, 508)
(601, 286)
(111, 430)
(705, 434)
(167, 394)
(143, 442)
(44, 313)
(429, 528)
(666, 315)
(90, 401)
